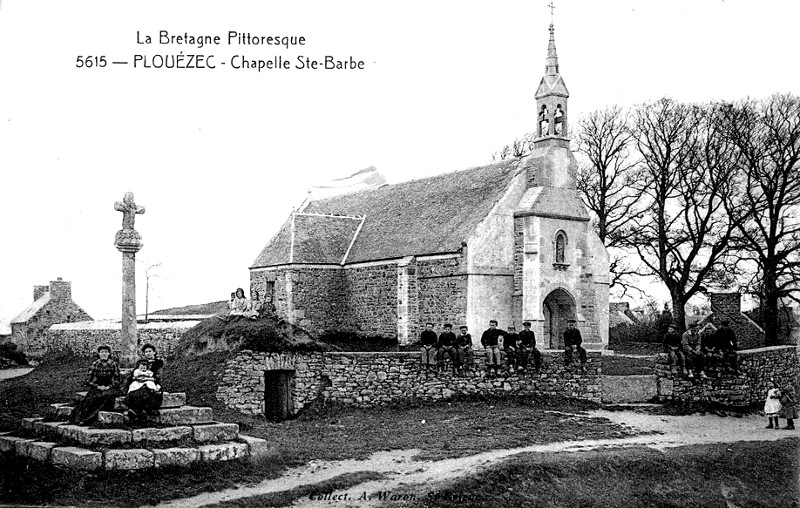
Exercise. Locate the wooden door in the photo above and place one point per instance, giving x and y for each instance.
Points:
(278, 394)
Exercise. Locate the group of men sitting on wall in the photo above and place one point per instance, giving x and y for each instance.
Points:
(507, 349)
(690, 353)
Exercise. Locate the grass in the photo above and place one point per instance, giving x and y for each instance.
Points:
(26, 481)
(637, 348)
(748, 474)
(475, 425)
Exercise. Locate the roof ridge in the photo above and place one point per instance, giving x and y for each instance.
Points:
(332, 215)
(513, 166)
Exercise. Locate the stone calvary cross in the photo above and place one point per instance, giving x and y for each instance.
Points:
(128, 241)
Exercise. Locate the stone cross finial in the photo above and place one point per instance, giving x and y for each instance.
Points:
(129, 210)
(552, 7)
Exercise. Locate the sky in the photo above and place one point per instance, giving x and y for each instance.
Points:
(219, 157)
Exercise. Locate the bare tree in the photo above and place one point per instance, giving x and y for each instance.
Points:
(149, 273)
(520, 147)
(605, 179)
(684, 232)
(766, 135)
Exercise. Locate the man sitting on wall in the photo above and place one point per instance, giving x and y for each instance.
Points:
(427, 341)
(526, 346)
(510, 346)
(490, 340)
(447, 343)
(693, 352)
(464, 349)
(724, 346)
(672, 346)
(572, 344)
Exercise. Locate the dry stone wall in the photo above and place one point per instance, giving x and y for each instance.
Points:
(372, 379)
(757, 368)
(84, 338)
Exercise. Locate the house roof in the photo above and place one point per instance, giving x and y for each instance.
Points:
(27, 314)
(427, 216)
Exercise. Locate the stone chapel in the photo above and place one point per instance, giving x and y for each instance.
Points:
(510, 241)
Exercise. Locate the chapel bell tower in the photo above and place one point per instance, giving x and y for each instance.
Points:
(551, 97)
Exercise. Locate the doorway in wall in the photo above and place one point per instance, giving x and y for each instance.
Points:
(558, 308)
(278, 394)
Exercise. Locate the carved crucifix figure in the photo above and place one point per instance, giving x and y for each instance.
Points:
(129, 210)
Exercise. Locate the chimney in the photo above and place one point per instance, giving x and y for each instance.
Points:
(726, 305)
(60, 290)
(39, 291)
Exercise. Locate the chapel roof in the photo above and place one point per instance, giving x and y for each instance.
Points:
(427, 216)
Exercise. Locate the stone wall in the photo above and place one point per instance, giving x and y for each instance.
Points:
(372, 300)
(84, 338)
(757, 368)
(371, 379)
(442, 297)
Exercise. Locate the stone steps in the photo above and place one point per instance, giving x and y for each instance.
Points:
(180, 435)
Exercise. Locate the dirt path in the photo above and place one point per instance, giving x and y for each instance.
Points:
(402, 471)
(12, 373)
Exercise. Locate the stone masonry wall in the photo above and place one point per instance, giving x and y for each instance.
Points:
(372, 300)
(318, 299)
(84, 338)
(757, 368)
(371, 379)
(442, 293)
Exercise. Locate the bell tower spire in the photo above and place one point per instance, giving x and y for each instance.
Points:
(551, 96)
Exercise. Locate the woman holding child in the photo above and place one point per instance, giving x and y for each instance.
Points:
(144, 386)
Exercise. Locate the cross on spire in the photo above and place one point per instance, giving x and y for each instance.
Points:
(552, 7)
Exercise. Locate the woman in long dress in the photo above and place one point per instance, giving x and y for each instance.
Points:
(103, 387)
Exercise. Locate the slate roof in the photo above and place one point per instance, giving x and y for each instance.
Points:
(427, 216)
(318, 239)
(27, 314)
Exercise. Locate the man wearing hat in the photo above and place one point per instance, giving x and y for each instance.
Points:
(572, 343)
(447, 342)
(527, 346)
(693, 351)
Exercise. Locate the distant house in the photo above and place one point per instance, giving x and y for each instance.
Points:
(51, 304)
(620, 313)
(728, 306)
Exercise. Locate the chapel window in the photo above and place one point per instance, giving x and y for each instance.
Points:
(561, 243)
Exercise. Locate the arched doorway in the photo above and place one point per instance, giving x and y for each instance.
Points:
(558, 308)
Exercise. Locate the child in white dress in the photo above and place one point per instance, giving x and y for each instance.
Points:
(143, 376)
(772, 407)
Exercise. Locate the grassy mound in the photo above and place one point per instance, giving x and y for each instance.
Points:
(267, 334)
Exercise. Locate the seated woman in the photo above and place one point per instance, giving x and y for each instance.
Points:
(255, 307)
(103, 383)
(146, 398)
(240, 305)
